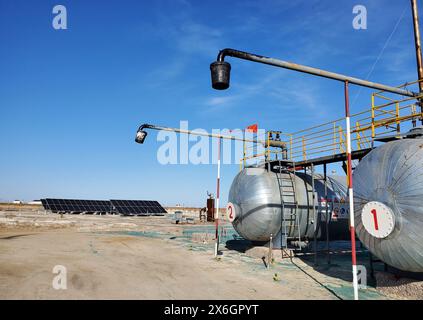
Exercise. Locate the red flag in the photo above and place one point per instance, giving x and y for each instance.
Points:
(252, 128)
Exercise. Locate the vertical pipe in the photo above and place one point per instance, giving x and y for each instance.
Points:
(216, 215)
(417, 40)
(297, 217)
(351, 192)
(327, 211)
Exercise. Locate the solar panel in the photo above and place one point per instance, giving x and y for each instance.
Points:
(77, 206)
(124, 207)
(138, 207)
(45, 204)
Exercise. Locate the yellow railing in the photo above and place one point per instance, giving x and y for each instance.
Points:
(386, 116)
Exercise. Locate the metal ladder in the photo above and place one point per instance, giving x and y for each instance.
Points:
(288, 199)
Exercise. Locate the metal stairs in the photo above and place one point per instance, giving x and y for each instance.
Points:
(290, 219)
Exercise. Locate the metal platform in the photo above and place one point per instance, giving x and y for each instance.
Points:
(355, 155)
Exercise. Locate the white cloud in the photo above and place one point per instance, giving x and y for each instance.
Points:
(221, 101)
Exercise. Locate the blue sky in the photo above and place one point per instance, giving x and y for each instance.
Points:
(71, 100)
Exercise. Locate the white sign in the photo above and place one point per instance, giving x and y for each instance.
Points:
(230, 212)
(60, 281)
(378, 219)
(340, 210)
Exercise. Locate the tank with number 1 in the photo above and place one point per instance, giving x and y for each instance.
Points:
(388, 186)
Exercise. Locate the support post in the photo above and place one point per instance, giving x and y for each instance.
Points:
(270, 254)
(313, 200)
(327, 212)
(216, 215)
(351, 192)
(417, 40)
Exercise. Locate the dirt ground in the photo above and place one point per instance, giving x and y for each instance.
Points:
(112, 257)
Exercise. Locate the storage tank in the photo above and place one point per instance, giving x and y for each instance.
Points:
(257, 198)
(388, 196)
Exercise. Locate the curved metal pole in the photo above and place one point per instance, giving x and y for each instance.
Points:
(270, 143)
(317, 72)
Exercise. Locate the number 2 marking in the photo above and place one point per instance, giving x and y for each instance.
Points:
(375, 219)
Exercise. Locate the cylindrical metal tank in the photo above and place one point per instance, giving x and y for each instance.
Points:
(388, 189)
(257, 198)
(210, 208)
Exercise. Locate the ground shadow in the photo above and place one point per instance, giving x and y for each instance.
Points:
(338, 264)
(15, 236)
(240, 245)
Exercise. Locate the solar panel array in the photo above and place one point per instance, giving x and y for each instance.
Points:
(123, 207)
(76, 206)
(138, 207)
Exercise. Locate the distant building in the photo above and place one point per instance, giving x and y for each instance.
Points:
(17, 202)
(35, 202)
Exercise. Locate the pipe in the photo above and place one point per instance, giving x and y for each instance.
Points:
(317, 72)
(271, 143)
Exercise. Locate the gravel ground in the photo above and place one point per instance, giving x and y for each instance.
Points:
(401, 288)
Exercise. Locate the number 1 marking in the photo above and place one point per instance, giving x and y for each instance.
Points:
(375, 219)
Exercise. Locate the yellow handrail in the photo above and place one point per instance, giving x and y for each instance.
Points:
(329, 138)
